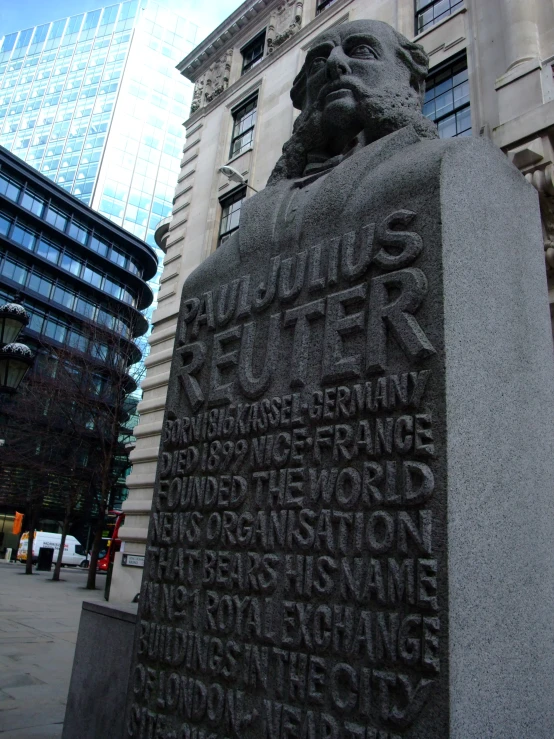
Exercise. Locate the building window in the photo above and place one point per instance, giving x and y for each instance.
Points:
(244, 120)
(429, 12)
(92, 277)
(56, 218)
(9, 188)
(447, 100)
(33, 203)
(63, 297)
(39, 284)
(99, 246)
(33, 241)
(230, 214)
(13, 271)
(78, 232)
(253, 52)
(24, 236)
(322, 5)
(54, 330)
(48, 250)
(69, 264)
(118, 257)
(5, 223)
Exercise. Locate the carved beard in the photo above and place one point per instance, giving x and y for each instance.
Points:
(380, 113)
(384, 113)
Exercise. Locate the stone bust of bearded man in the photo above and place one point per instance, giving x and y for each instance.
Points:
(360, 82)
(360, 93)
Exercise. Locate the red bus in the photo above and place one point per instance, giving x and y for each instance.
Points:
(112, 544)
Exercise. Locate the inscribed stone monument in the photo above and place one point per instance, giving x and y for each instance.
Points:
(351, 533)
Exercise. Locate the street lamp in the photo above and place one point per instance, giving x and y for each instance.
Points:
(232, 174)
(13, 318)
(15, 361)
(15, 358)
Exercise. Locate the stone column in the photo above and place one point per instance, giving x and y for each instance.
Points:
(521, 39)
(520, 88)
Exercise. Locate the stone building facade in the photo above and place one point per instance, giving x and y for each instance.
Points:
(491, 74)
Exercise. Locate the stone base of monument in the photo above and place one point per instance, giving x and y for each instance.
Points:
(95, 703)
(390, 608)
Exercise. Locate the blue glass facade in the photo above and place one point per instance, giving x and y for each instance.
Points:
(83, 280)
(95, 104)
(73, 266)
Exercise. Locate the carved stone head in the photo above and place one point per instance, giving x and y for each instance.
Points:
(360, 81)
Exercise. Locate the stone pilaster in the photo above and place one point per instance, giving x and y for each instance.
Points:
(521, 37)
(535, 159)
(520, 87)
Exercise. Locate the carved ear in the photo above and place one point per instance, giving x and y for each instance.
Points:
(415, 58)
(417, 83)
(419, 57)
(298, 89)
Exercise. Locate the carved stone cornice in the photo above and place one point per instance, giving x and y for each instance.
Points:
(195, 63)
(535, 159)
(213, 82)
(284, 22)
(335, 11)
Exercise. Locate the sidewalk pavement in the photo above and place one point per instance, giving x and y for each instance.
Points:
(39, 620)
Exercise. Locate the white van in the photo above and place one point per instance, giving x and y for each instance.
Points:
(73, 551)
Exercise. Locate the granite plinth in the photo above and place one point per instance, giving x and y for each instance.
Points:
(100, 672)
(410, 464)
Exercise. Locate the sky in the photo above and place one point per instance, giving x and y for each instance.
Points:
(16, 15)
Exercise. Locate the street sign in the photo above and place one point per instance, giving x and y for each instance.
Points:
(132, 560)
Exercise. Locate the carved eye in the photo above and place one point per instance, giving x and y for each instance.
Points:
(362, 51)
(317, 63)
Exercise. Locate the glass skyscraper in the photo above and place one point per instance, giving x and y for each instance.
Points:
(95, 103)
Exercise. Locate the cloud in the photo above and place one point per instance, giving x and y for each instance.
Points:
(206, 14)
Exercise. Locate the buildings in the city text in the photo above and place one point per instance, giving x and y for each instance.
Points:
(84, 284)
(95, 104)
(491, 74)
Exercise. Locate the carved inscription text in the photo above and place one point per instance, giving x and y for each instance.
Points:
(292, 584)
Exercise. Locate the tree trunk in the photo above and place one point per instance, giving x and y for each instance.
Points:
(57, 568)
(32, 526)
(96, 544)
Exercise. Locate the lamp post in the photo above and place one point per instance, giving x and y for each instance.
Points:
(15, 361)
(232, 174)
(15, 358)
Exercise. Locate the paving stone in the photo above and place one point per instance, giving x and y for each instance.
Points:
(38, 631)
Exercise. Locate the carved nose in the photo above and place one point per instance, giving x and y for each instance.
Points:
(337, 64)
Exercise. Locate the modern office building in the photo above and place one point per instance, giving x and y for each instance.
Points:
(95, 104)
(491, 74)
(83, 279)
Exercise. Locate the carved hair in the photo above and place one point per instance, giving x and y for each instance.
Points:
(307, 134)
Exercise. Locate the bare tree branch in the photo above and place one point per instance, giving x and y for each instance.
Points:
(66, 432)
